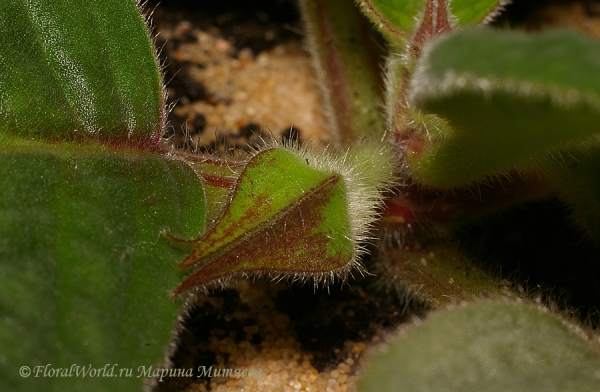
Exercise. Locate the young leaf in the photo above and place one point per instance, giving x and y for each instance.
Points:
(472, 12)
(294, 213)
(78, 69)
(506, 99)
(401, 18)
(487, 347)
(394, 18)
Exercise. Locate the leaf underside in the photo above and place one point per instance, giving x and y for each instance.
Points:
(508, 99)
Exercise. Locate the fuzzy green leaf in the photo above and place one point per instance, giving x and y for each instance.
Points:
(84, 274)
(294, 213)
(284, 216)
(401, 18)
(507, 99)
(395, 18)
(487, 347)
(77, 69)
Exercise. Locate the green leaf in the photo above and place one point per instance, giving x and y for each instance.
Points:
(505, 99)
(85, 277)
(395, 18)
(401, 18)
(471, 12)
(487, 347)
(84, 273)
(76, 69)
(294, 213)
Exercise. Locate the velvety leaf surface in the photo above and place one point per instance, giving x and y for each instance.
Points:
(78, 68)
(487, 347)
(506, 98)
(85, 275)
(284, 216)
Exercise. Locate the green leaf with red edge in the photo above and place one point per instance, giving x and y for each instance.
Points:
(293, 213)
(401, 18)
(279, 220)
(394, 18)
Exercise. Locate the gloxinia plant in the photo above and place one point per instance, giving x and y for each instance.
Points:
(96, 207)
(107, 231)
